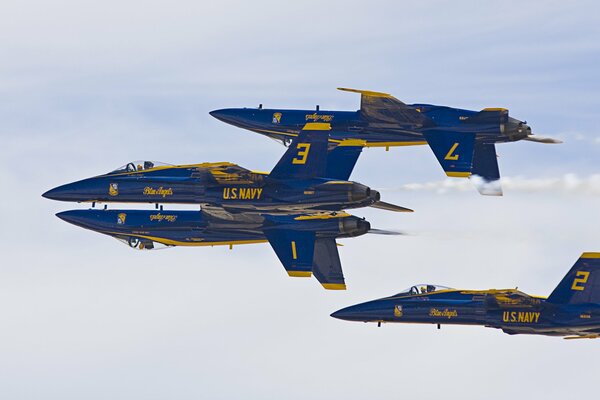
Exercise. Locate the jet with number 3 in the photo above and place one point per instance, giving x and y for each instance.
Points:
(572, 309)
(463, 141)
(312, 176)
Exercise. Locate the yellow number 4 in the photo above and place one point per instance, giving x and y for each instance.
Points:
(303, 149)
(580, 278)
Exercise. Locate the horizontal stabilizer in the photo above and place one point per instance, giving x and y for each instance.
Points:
(327, 267)
(581, 284)
(390, 207)
(454, 151)
(541, 139)
(381, 107)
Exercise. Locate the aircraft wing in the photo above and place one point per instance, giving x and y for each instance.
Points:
(385, 108)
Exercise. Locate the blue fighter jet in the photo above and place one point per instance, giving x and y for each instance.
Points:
(572, 309)
(305, 244)
(463, 141)
(312, 176)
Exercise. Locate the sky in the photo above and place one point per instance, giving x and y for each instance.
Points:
(87, 86)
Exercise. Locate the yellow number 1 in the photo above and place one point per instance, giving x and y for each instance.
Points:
(303, 149)
(580, 278)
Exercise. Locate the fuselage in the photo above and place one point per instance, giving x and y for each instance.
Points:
(217, 184)
(510, 310)
(283, 124)
(145, 229)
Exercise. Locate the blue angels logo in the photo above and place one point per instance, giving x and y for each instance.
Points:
(121, 218)
(276, 118)
(398, 311)
(113, 189)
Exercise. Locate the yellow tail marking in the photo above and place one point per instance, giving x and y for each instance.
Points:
(450, 156)
(334, 286)
(300, 274)
(590, 255)
(580, 279)
(294, 255)
(458, 174)
(303, 149)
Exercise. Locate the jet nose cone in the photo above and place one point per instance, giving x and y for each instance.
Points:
(240, 117)
(82, 218)
(58, 193)
(224, 114)
(347, 314)
(72, 217)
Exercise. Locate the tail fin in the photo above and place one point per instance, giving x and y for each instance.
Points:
(342, 159)
(581, 284)
(307, 155)
(454, 151)
(485, 172)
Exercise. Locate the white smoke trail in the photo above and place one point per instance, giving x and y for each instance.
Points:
(568, 183)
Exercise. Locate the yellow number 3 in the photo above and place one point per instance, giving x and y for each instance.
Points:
(580, 278)
(303, 149)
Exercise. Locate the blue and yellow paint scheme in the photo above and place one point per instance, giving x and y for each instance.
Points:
(462, 140)
(304, 243)
(312, 176)
(572, 309)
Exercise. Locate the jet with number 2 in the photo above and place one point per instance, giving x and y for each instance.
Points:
(463, 141)
(572, 309)
(312, 176)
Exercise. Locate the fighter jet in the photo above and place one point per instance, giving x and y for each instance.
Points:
(308, 178)
(572, 309)
(463, 141)
(305, 244)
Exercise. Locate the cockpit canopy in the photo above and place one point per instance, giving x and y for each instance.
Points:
(142, 244)
(422, 288)
(140, 165)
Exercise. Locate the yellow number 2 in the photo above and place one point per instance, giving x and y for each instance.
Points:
(303, 149)
(580, 278)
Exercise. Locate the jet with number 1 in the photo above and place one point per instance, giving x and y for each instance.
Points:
(463, 141)
(572, 309)
(312, 176)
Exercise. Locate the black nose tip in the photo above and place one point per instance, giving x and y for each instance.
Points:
(54, 194)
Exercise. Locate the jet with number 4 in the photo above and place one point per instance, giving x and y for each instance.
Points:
(305, 244)
(463, 141)
(572, 309)
(312, 176)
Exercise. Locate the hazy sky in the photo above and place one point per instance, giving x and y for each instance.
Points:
(88, 86)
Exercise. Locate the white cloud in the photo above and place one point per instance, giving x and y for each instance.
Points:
(568, 183)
